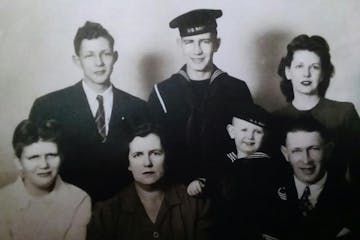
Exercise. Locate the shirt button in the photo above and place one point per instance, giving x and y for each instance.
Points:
(156, 235)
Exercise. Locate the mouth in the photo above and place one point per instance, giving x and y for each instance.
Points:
(308, 170)
(197, 60)
(148, 173)
(100, 72)
(305, 83)
(249, 143)
(44, 174)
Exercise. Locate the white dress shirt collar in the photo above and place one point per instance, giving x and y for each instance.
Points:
(315, 189)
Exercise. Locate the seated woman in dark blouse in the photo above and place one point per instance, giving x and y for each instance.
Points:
(149, 208)
(306, 71)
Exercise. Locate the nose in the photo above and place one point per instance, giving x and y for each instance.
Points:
(197, 48)
(43, 163)
(99, 61)
(250, 134)
(147, 161)
(307, 72)
(307, 157)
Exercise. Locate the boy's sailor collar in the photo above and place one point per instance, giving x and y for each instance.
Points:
(233, 157)
(217, 72)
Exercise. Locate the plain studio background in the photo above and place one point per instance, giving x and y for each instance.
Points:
(36, 45)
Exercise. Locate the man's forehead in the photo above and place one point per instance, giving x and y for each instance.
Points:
(302, 137)
(95, 43)
(207, 35)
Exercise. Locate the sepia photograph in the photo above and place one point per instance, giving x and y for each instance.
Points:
(175, 119)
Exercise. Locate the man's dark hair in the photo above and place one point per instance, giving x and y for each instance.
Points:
(315, 44)
(27, 133)
(306, 124)
(91, 30)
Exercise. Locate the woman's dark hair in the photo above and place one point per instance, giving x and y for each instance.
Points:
(314, 44)
(144, 129)
(28, 132)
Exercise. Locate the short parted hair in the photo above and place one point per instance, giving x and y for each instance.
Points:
(306, 124)
(315, 44)
(144, 129)
(91, 30)
(28, 132)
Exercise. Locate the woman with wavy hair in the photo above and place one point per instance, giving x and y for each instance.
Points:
(305, 74)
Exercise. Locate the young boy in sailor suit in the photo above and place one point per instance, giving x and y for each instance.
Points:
(239, 180)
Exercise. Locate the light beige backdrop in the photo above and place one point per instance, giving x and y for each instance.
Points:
(36, 47)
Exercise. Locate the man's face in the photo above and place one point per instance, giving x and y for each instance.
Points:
(247, 136)
(305, 151)
(199, 50)
(96, 59)
(146, 159)
(39, 164)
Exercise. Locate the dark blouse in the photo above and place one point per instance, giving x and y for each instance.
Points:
(124, 217)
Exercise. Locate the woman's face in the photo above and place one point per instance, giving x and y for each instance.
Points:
(305, 72)
(39, 163)
(146, 159)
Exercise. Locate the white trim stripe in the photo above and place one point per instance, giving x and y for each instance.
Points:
(160, 98)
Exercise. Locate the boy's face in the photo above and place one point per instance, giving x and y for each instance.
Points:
(96, 59)
(199, 50)
(247, 136)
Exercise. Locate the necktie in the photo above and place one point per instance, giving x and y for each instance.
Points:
(305, 204)
(100, 118)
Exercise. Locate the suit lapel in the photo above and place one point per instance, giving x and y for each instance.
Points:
(117, 113)
(81, 110)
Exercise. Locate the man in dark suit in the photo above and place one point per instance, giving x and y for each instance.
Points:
(309, 203)
(187, 103)
(95, 116)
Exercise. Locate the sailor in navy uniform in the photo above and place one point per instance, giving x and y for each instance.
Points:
(187, 103)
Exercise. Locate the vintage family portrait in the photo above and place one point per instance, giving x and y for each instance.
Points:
(179, 119)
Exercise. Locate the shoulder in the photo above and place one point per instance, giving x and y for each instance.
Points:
(7, 192)
(62, 94)
(337, 105)
(72, 195)
(124, 96)
(186, 200)
(118, 202)
(172, 82)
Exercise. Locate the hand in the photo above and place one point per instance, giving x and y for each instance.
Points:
(268, 237)
(196, 187)
(344, 232)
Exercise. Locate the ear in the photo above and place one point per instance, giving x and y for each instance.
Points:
(284, 152)
(287, 73)
(18, 164)
(217, 43)
(178, 41)
(329, 149)
(115, 56)
(230, 130)
(76, 60)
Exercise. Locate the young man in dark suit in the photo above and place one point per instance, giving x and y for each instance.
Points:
(95, 116)
(187, 102)
(309, 202)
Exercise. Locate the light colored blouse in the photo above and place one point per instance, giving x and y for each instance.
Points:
(62, 214)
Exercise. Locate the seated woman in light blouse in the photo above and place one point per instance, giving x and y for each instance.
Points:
(305, 73)
(149, 208)
(39, 205)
